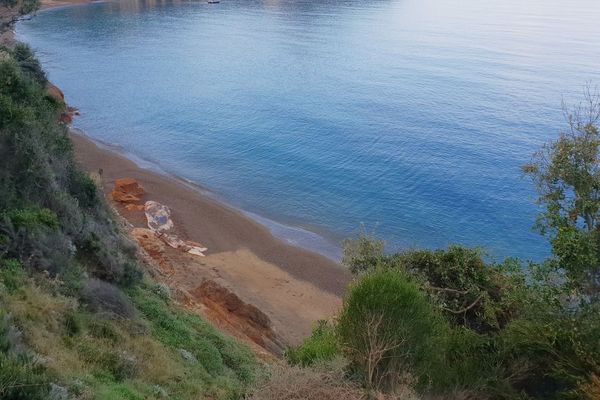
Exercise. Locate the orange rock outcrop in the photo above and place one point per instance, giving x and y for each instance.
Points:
(127, 190)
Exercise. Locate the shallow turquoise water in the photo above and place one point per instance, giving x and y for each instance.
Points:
(410, 116)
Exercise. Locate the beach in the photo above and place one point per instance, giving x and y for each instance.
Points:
(250, 283)
(292, 286)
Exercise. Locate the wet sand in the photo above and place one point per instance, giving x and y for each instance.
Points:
(205, 220)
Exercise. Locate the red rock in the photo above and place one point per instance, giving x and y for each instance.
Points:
(127, 190)
(66, 118)
(148, 240)
(55, 92)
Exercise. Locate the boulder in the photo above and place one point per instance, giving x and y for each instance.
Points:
(127, 190)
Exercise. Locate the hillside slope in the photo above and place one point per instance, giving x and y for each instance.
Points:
(79, 318)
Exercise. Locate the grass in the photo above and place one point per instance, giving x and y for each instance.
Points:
(321, 345)
(103, 357)
(70, 281)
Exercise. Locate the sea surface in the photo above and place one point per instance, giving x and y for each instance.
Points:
(408, 117)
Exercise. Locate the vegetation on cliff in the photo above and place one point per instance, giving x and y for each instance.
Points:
(451, 325)
(78, 319)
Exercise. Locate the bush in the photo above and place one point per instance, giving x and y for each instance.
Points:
(468, 291)
(106, 256)
(322, 345)
(363, 253)
(12, 274)
(29, 64)
(552, 354)
(103, 297)
(471, 293)
(389, 330)
(33, 218)
(84, 189)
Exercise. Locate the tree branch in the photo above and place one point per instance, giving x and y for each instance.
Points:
(464, 310)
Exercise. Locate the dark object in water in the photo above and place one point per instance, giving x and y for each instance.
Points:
(213, 1)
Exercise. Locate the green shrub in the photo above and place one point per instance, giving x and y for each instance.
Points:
(471, 364)
(33, 218)
(552, 354)
(103, 297)
(388, 330)
(362, 253)
(83, 188)
(322, 345)
(468, 291)
(471, 293)
(108, 256)
(28, 63)
(12, 274)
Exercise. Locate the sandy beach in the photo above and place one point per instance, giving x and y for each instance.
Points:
(292, 286)
(250, 283)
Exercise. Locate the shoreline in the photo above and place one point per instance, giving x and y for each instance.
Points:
(293, 286)
(259, 223)
(322, 243)
(200, 217)
(8, 35)
(306, 239)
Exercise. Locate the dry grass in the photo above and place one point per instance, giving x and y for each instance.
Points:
(39, 314)
(591, 389)
(41, 317)
(323, 382)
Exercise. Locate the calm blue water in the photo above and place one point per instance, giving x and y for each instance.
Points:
(410, 116)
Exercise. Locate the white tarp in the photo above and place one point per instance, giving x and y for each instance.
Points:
(160, 222)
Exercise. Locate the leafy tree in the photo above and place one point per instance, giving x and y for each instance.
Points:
(471, 293)
(362, 253)
(389, 329)
(566, 173)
